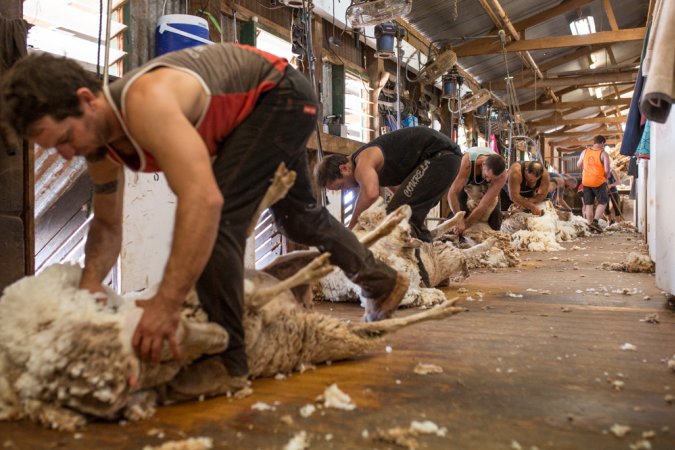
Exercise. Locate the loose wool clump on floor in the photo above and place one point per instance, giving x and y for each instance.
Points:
(635, 263)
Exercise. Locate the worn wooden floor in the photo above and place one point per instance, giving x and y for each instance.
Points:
(535, 370)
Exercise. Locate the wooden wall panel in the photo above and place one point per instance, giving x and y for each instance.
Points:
(16, 224)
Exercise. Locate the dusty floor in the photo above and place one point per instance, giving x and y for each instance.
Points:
(537, 371)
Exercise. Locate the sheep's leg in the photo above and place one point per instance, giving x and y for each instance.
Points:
(195, 339)
(316, 269)
(446, 226)
(282, 182)
(386, 227)
(441, 311)
(473, 252)
(286, 265)
(198, 339)
(54, 416)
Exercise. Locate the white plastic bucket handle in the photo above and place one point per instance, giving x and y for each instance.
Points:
(165, 27)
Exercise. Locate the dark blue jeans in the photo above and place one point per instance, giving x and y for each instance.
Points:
(277, 130)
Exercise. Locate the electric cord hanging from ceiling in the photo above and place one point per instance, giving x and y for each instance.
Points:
(516, 126)
(307, 7)
(100, 32)
(106, 65)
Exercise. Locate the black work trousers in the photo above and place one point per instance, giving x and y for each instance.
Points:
(424, 187)
(277, 130)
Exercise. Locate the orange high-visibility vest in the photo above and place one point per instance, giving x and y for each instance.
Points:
(593, 174)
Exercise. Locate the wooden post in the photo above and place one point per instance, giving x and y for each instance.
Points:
(377, 77)
(542, 147)
(17, 224)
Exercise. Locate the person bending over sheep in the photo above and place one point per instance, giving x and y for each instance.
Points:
(479, 181)
(217, 120)
(527, 185)
(418, 162)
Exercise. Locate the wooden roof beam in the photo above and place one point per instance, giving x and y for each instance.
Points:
(576, 109)
(561, 106)
(581, 121)
(541, 98)
(494, 8)
(564, 7)
(581, 143)
(422, 44)
(583, 80)
(607, 5)
(488, 46)
(559, 61)
(600, 130)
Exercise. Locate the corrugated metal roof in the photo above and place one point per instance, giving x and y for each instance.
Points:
(434, 19)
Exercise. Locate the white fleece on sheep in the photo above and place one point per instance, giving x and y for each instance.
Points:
(35, 340)
(574, 227)
(391, 250)
(53, 295)
(542, 233)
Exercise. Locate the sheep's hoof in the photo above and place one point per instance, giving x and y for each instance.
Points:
(383, 308)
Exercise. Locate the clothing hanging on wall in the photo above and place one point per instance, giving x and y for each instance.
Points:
(659, 65)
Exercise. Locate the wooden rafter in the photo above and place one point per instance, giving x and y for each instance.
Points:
(561, 106)
(488, 46)
(499, 17)
(564, 7)
(552, 122)
(600, 130)
(421, 43)
(558, 61)
(584, 80)
(571, 128)
(542, 98)
(574, 145)
(610, 15)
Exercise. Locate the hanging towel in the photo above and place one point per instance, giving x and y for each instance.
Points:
(13, 35)
(633, 130)
(643, 147)
(659, 64)
(634, 123)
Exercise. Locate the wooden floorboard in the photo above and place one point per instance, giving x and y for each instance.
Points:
(536, 370)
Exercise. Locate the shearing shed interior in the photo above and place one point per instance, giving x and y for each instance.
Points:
(351, 224)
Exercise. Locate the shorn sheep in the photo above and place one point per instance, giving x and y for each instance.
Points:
(543, 233)
(426, 264)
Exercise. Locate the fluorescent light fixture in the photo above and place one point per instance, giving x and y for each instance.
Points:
(583, 25)
(598, 92)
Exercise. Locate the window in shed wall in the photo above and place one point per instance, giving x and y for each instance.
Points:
(71, 28)
(357, 117)
(269, 242)
(62, 188)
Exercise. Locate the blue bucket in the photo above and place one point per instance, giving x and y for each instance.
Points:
(179, 31)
